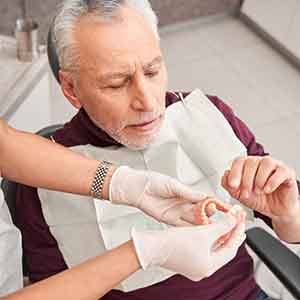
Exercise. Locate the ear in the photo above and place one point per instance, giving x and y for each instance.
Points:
(68, 88)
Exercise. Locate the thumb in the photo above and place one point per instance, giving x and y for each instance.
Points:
(223, 227)
(228, 251)
(180, 190)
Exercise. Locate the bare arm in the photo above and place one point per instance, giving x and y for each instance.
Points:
(35, 161)
(90, 280)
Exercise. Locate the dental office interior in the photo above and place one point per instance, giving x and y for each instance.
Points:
(247, 52)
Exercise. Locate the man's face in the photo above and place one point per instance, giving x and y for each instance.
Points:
(122, 78)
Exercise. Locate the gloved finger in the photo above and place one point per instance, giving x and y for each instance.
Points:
(233, 237)
(240, 216)
(188, 215)
(183, 223)
(179, 214)
(222, 227)
(184, 192)
(226, 252)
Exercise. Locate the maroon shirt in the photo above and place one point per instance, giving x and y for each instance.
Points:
(233, 281)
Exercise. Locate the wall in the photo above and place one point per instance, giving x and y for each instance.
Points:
(169, 11)
(279, 21)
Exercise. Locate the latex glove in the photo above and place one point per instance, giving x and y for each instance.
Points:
(158, 195)
(194, 251)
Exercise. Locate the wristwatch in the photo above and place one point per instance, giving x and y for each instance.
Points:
(99, 178)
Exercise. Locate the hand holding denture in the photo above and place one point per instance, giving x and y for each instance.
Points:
(265, 185)
(209, 206)
(193, 251)
(159, 196)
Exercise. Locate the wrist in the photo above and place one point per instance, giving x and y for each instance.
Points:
(293, 218)
(151, 247)
(134, 261)
(107, 181)
(287, 228)
(286, 220)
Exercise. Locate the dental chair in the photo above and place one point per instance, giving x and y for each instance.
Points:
(280, 260)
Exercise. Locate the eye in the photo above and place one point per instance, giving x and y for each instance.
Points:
(116, 87)
(151, 74)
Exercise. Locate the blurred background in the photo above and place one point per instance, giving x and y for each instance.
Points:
(246, 52)
(169, 11)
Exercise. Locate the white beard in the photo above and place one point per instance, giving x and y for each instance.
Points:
(131, 143)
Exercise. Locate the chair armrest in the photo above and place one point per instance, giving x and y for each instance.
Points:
(281, 261)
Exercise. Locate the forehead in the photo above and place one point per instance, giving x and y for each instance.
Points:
(116, 44)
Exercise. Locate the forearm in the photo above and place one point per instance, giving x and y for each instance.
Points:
(35, 161)
(288, 229)
(90, 280)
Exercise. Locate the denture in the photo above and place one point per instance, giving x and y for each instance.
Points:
(209, 206)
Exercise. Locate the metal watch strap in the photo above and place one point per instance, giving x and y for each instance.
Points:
(98, 181)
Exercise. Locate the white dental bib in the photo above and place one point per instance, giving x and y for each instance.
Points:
(196, 145)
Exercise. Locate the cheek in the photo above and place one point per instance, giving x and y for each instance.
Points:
(107, 110)
(116, 119)
(107, 113)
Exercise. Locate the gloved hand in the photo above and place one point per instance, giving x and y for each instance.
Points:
(194, 251)
(158, 195)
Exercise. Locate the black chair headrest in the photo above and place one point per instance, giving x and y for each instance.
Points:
(52, 55)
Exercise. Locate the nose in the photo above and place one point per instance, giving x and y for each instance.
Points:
(143, 100)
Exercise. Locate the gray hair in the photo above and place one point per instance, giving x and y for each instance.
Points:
(70, 11)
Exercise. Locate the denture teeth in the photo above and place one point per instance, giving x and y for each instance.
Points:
(212, 207)
(209, 204)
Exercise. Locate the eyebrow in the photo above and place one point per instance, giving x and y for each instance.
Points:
(155, 61)
(119, 75)
(116, 75)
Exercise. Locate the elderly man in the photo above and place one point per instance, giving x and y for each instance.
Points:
(113, 72)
